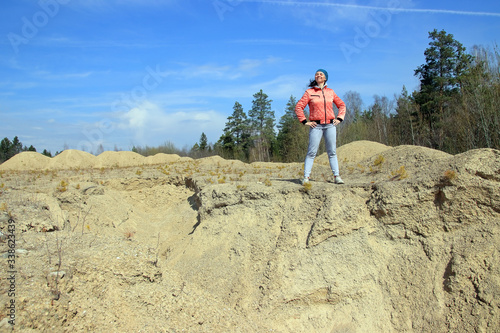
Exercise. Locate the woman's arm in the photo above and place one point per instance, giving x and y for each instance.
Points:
(301, 105)
(340, 105)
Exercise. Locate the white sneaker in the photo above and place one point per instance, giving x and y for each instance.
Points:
(338, 180)
(305, 180)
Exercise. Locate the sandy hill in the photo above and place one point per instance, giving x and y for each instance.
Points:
(122, 243)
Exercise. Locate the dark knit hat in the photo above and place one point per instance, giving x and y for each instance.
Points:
(324, 72)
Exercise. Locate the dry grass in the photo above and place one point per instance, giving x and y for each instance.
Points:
(399, 174)
(63, 186)
(450, 175)
(306, 187)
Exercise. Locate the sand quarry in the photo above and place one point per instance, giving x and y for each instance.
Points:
(123, 243)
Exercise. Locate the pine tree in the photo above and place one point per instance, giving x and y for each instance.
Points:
(203, 142)
(225, 146)
(5, 150)
(10, 148)
(262, 123)
(235, 141)
(17, 146)
(237, 125)
(446, 64)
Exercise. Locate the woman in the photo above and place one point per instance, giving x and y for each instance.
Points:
(322, 122)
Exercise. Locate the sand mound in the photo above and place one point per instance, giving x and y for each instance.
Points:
(27, 160)
(72, 159)
(359, 150)
(213, 160)
(411, 154)
(481, 162)
(118, 159)
(354, 152)
(161, 158)
(219, 162)
(411, 157)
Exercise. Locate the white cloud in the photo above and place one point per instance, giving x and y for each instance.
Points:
(148, 124)
(141, 118)
(136, 118)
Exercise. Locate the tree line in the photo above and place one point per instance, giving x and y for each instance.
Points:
(10, 148)
(456, 108)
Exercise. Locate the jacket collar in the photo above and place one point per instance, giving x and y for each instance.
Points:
(324, 86)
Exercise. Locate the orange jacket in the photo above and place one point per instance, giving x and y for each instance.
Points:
(320, 103)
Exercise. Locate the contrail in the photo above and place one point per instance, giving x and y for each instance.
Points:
(392, 9)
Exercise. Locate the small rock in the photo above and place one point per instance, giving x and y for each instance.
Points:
(4, 217)
(53, 276)
(59, 274)
(4, 324)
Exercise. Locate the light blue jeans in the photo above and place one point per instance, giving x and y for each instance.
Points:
(329, 132)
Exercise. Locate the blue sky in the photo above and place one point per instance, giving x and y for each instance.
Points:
(77, 74)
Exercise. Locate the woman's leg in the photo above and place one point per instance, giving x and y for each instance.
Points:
(330, 134)
(315, 135)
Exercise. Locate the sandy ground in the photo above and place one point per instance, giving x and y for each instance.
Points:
(122, 243)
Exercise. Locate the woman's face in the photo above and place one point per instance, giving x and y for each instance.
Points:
(320, 78)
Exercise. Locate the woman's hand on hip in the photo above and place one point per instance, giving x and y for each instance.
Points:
(311, 124)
